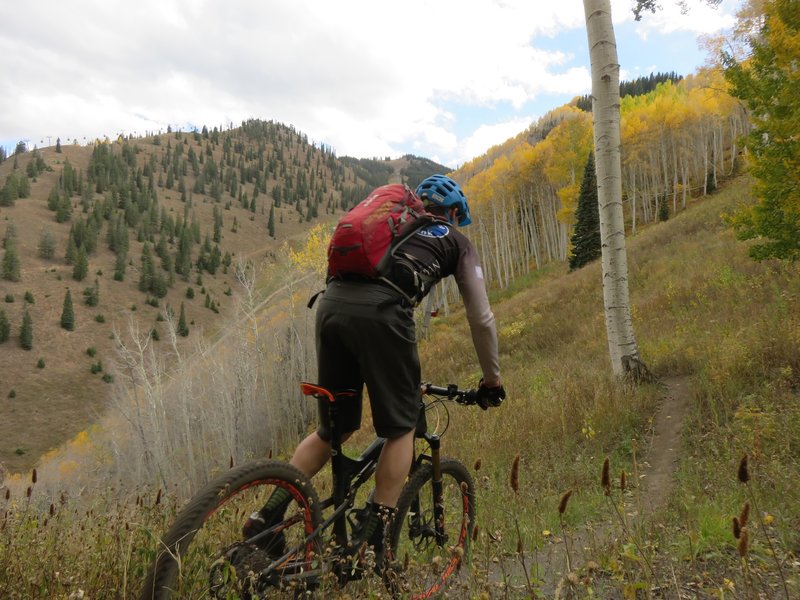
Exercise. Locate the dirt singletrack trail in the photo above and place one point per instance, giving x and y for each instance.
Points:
(657, 464)
(661, 458)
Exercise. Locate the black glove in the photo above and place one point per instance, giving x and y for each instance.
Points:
(490, 396)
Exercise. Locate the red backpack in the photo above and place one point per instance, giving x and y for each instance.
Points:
(365, 237)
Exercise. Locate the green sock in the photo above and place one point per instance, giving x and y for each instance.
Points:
(277, 502)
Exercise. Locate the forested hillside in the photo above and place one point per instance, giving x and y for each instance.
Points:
(678, 142)
(150, 231)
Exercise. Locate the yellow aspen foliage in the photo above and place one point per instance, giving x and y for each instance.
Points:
(313, 256)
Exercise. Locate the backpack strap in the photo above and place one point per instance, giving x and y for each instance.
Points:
(313, 299)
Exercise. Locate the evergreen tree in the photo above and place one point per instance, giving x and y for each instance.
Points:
(271, 222)
(81, 267)
(586, 235)
(58, 145)
(5, 327)
(183, 258)
(217, 225)
(91, 295)
(183, 328)
(11, 190)
(67, 313)
(53, 199)
(72, 251)
(120, 263)
(663, 209)
(146, 277)
(11, 265)
(47, 245)
(26, 331)
(11, 234)
(63, 210)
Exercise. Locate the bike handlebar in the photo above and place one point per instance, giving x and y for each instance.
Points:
(465, 397)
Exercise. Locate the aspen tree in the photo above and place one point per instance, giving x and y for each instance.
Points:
(624, 352)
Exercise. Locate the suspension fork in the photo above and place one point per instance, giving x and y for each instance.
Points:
(435, 443)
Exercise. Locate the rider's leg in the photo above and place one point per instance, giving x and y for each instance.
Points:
(312, 454)
(393, 467)
(309, 457)
(390, 477)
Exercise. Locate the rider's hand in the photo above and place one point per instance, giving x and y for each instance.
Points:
(490, 396)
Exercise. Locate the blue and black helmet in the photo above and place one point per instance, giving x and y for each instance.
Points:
(443, 191)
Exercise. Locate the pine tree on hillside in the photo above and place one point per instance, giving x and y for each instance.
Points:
(67, 313)
(586, 235)
(91, 295)
(183, 328)
(47, 245)
(26, 331)
(11, 234)
(271, 222)
(120, 264)
(71, 252)
(146, 277)
(5, 327)
(81, 268)
(11, 264)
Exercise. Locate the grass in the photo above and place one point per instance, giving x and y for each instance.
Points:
(701, 309)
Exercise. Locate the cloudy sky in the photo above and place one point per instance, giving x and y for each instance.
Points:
(445, 79)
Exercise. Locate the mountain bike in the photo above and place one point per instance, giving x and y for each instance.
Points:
(203, 554)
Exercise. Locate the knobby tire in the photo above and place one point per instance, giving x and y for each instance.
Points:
(211, 524)
(418, 565)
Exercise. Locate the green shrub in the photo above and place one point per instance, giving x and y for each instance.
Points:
(40, 364)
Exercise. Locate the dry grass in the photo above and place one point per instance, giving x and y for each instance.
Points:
(701, 308)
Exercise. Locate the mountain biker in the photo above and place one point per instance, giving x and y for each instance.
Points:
(365, 334)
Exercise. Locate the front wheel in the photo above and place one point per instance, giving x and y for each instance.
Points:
(428, 540)
(203, 554)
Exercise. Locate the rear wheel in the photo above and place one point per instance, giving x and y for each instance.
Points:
(427, 544)
(203, 554)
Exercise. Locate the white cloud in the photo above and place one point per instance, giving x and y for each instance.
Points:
(368, 78)
(486, 136)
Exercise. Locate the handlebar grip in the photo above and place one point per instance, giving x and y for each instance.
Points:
(470, 397)
(464, 397)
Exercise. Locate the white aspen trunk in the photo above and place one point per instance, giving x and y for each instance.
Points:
(685, 182)
(533, 231)
(674, 175)
(496, 247)
(705, 159)
(622, 347)
(633, 199)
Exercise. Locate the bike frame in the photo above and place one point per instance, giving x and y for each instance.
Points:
(349, 474)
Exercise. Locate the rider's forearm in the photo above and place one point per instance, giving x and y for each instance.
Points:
(480, 317)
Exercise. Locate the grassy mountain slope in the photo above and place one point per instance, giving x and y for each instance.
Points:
(702, 309)
(43, 407)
